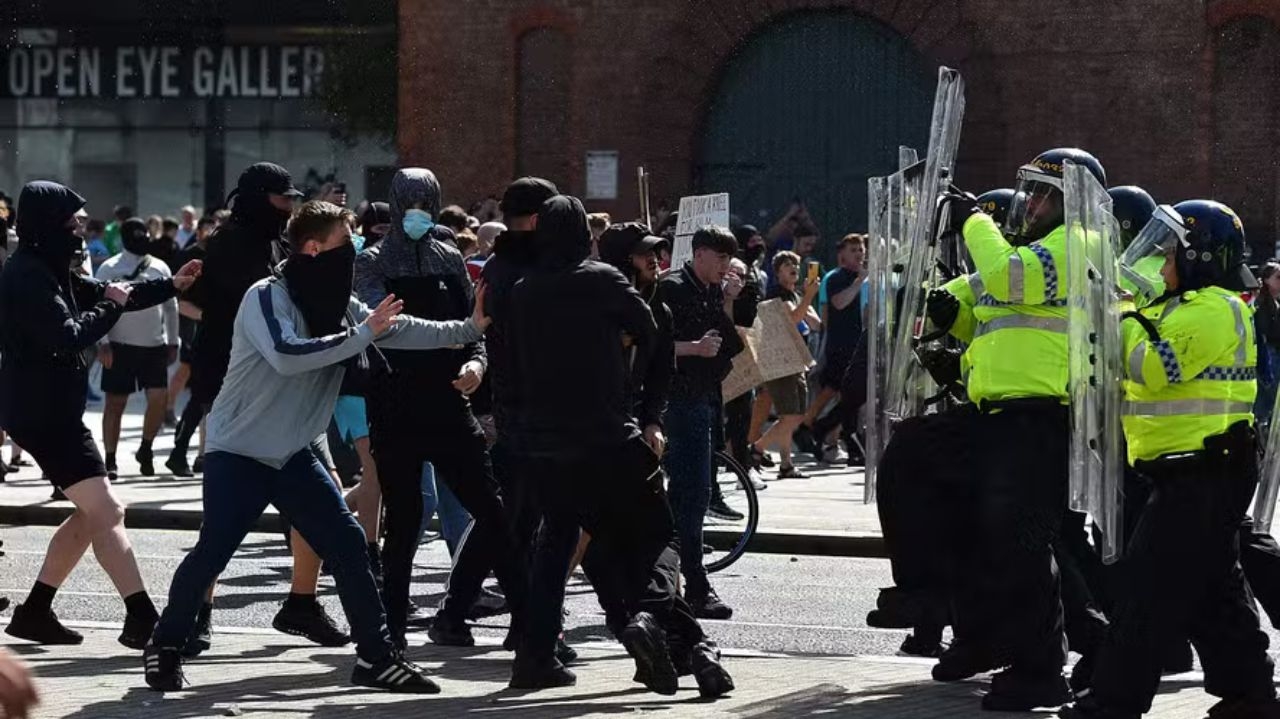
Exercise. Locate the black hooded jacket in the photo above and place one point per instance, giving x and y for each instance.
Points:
(651, 370)
(513, 256)
(429, 275)
(239, 253)
(50, 316)
(567, 318)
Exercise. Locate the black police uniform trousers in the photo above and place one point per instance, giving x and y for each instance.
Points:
(1180, 577)
(924, 495)
(615, 494)
(1081, 570)
(1009, 603)
(455, 445)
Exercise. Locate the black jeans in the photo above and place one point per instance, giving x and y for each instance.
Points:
(1181, 578)
(615, 495)
(458, 452)
(1081, 570)
(1012, 593)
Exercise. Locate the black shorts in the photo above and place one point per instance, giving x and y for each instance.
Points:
(833, 367)
(136, 368)
(66, 454)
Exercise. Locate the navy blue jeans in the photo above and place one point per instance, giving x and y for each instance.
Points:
(689, 424)
(236, 492)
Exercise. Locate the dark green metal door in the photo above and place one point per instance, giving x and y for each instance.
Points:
(810, 108)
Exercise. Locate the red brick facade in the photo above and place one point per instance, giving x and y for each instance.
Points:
(1152, 87)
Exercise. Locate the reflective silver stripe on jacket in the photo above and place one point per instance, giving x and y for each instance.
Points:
(1048, 324)
(1176, 407)
(1241, 335)
(976, 286)
(1016, 288)
(1136, 358)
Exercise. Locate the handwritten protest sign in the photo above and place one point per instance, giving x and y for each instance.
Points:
(775, 349)
(695, 212)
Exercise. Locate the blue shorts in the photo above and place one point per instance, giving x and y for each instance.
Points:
(350, 415)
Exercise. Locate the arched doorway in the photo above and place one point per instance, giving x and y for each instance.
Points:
(809, 108)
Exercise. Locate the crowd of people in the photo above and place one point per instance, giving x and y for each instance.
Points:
(550, 382)
(436, 347)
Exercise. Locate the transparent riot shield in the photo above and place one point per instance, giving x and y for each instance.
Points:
(892, 204)
(905, 393)
(1095, 353)
(1264, 506)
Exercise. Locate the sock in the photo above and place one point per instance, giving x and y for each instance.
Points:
(111, 459)
(300, 599)
(40, 598)
(145, 446)
(139, 604)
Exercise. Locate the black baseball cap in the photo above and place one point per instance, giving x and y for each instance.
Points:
(267, 178)
(620, 242)
(526, 195)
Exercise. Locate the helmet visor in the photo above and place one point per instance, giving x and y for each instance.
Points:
(1036, 208)
(1144, 259)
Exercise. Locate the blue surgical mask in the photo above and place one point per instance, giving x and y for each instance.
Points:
(358, 241)
(417, 223)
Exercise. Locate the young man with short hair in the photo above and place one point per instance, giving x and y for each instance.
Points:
(295, 337)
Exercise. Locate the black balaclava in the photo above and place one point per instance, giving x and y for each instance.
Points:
(134, 237)
(43, 211)
(563, 237)
(377, 213)
(251, 206)
(321, 287)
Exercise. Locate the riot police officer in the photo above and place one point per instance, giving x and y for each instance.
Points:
(1015, 371)
(1189, 391)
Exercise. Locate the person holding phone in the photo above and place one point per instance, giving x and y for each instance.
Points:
(790, 394)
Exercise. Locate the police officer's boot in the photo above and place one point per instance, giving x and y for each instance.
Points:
(1013, 690)
(960, 661)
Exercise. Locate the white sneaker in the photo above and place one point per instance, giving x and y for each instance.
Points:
(834, 455)
(757, 479)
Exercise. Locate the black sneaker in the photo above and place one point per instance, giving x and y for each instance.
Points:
(146, 462)
(917, 647)
(889, 619)
(1245, 709)
(647, 644)
(709, 606)
(310, 621)
(113, 471)
(720, 510)
(394, 674)
(198, 465)
(1081, 679)
(177, 464)
(544, 677)
(450, 633)
(40, 627)
(202, 636)
(565, 654)
(137, 630)
(959, 662)
(163, 669)
(488, 604)
(713, 680)
(1016, 692)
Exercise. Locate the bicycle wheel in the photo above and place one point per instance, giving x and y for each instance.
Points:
(729, 533)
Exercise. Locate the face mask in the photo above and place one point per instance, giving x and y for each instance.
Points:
(358, 242)
(321, 287)
(753, 254)
(417, 223)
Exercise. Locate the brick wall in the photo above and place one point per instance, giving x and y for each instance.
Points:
(1133, 82)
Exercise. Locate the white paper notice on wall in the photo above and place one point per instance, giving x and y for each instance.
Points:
(697, 211)
(602, 175)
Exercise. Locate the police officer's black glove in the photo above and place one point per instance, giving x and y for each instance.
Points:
(962, 205)
(943, 364)
(942, 308)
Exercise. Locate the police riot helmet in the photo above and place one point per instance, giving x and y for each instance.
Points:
(1132, 207)
(1204, 238)
(1037, 206)
(996, 204)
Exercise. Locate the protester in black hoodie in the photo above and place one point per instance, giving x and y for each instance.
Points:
(579, 321)
(43, 337)
(241, 252)
(419, 412)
